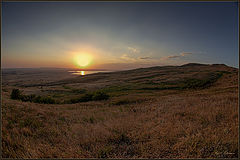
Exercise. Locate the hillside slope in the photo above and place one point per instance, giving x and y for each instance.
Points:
(188, 111)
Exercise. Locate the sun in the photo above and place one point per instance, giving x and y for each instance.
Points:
(83, 60)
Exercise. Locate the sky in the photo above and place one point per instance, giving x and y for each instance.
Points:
(118, 35)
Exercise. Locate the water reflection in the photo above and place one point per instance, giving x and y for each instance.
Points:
(78, 72)
(82, 73)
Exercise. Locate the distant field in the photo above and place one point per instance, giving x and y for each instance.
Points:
(188, 111)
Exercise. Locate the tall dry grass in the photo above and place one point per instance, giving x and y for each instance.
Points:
(157, 124)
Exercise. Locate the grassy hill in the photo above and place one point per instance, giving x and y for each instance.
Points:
(188, 111)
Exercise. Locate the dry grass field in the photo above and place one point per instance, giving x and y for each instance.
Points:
(188, 111)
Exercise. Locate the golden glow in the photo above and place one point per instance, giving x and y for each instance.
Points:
(83, 60)
(78, 72)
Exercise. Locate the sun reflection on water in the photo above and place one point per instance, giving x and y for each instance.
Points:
(82, 73)
(78, 72)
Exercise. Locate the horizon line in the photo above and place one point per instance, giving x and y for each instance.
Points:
(110, 69)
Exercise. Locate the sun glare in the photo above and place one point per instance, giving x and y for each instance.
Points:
(82, 73)
(83, 60)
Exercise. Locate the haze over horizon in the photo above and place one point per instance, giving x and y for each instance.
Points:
(114, 67)
(118, 35)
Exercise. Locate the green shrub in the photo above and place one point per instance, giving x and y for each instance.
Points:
(31, 97)
(80, 91)
(196, 83)
(37, 99)
(15, 94)
(26, 98)
(97, 96)
(45, 100)
(66, 87)
(86, 97)
(48, 100)
(75, 100)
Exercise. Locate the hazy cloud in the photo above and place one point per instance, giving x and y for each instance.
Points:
(145, 57)
(126, 57)
(185, 53)
(133, 50)
(170, 57)
(126, 65)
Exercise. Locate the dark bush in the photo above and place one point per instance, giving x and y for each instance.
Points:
(97, 96)
(75, 100)
(67, 101)
(80, 91)
(26, 98)
(15, 94)
(86, 97)
(196, 83)
(31, 97)
(37, 99)
(45, 100)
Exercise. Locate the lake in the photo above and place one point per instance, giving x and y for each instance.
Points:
(85, 72)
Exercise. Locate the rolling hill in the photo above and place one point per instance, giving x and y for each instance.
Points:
(188, 111)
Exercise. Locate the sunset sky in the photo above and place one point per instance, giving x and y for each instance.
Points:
(118, 35)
